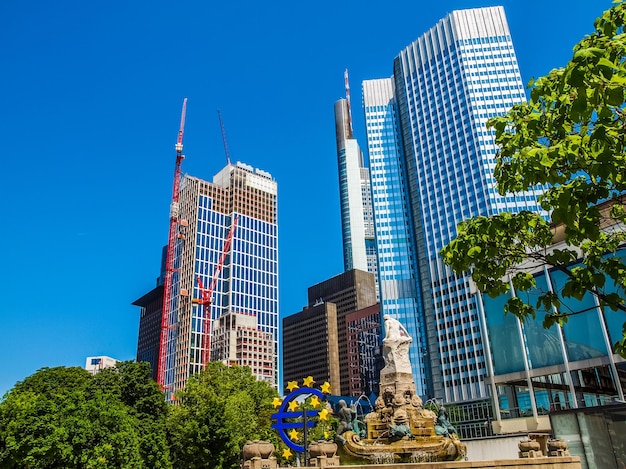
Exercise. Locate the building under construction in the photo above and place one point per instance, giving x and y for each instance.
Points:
(221, 259)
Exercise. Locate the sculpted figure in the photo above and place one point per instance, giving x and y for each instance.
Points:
(345, 416)
(442, 425)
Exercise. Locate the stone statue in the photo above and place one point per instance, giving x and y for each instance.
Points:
(443, 425)
(345, 415)
(396, 347)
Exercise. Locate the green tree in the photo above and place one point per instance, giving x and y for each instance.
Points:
(217, 412)
(56, 418)
(65, 417)
(569, 137)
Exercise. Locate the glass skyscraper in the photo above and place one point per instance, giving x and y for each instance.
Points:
(248, 283)
(431, 162)
(357, 220)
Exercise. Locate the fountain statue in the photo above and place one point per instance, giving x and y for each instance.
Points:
(399, 429)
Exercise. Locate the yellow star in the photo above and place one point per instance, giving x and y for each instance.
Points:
(308, 382)
(287, 453)
(291, 385)
(315, 402)
(326, 387)
(326, 435)
(293, 406)
(323, 414)
(294, 434)
(277, 402)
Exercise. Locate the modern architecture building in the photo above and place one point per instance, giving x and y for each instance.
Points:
(533, 370)
(431, 161)
(350, 291)
(96, 364)
(151, 305)
(357, 218)
(238, 341)
(311, 345)
(248, 283)
(320, 340)
(363, 329)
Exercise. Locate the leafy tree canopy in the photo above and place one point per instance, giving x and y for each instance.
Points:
(569, 138)
(217, 412)
(65, 417)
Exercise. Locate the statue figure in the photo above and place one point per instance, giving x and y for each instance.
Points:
(393, 329)
(442, 425)
(345, 416)
(400, 426)
(396, 347)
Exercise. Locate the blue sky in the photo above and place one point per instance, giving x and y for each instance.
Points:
(90, 104)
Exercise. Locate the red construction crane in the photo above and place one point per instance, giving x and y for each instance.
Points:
(169, 263)
(207, 294)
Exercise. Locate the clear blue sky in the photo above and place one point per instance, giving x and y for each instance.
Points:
(91, 94)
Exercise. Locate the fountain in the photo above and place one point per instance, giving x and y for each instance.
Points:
(399, 429)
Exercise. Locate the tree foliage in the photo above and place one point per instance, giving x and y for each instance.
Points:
(217, 412)
(569, 138)
(65, 417)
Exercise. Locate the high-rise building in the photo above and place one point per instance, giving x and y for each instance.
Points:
(319, 338)
(310, 345)
(238, 341)
(248, 282)
(363, 330)
(151, 305)
(431, 161)
(357, 218)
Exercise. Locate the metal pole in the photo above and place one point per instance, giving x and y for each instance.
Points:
(305, 435)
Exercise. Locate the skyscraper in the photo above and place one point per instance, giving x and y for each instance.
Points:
(248, 282)
(432, 161)
(357, 218)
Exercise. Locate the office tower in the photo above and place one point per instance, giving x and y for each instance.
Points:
(350, 291)
(431, 162)
(363, 331)
(357, 218)
(151, 305)
(237, 341)
(310, 346)
(248, 282)
(316, 340)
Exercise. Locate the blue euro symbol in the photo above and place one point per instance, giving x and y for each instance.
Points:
(282, 424)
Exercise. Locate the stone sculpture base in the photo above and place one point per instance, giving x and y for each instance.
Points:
(566, 462)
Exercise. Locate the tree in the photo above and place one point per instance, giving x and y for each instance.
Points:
(217, 412)
(65, 417)
(55, 418)
(570, 138)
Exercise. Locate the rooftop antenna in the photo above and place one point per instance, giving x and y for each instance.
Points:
(219, 115)
(347, 83)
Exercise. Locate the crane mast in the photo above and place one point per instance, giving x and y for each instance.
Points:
(169, 263)
(207, 294)
(219, 116)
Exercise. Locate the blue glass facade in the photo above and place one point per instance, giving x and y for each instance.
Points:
(445, 86)
(537, 370)
(248, 282)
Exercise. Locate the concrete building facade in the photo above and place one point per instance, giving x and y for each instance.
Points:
(248, 282)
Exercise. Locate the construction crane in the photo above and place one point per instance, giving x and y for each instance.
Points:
(207, 294)
(169, 263)
(219, 116)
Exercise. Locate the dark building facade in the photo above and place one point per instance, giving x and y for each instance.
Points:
(310, 345)
(322, 326)
(363, 329)
(151, 305)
